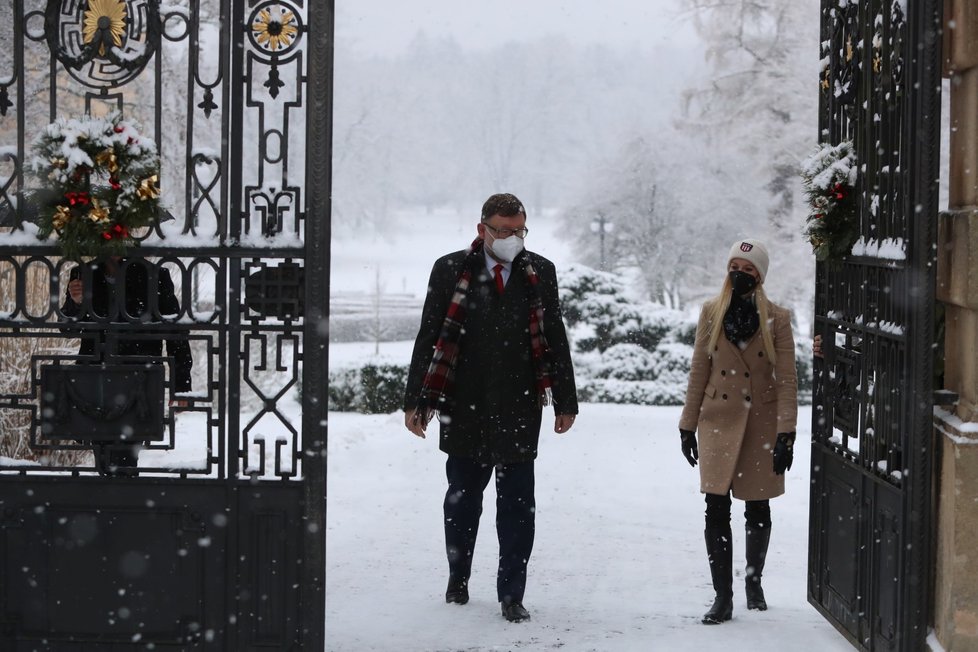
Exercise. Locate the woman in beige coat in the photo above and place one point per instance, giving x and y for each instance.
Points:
(742, 397)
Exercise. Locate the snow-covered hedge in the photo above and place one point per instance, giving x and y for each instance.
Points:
(632, 351)
(625, 350)
(370, 389)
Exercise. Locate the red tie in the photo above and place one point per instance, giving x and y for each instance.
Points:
(497, 272)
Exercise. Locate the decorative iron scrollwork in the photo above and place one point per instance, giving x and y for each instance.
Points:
(103, 43)
(275, 28)
(844, 393)
(272, 207)
(207, 105)
(5, 102)
(898, 26)
(887, 60)
(841, 54)
(276, 291)
(105, 24)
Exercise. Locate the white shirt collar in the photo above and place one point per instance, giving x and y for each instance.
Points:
(492, 262)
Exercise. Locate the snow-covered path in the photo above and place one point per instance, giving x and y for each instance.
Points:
(618, 564)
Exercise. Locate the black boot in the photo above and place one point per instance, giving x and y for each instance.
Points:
(757, 542)
(457, 591)
(720, 553)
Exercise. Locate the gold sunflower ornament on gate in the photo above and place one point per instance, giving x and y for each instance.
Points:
(274, 33)
(104, 23)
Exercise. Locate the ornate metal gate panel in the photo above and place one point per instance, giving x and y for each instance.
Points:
(162, 450)
(870, 557)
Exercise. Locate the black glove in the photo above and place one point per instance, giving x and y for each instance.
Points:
(784, 452)
(692, 453)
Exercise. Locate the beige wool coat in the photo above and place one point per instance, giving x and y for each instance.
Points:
(738, 402)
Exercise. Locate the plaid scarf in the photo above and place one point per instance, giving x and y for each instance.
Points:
(439, 379)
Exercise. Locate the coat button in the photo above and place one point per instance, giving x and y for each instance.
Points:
(748, 399)
(760, 354)
(723, 372)
(724, 397)
(746, 374)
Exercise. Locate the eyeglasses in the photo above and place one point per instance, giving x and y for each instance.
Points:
(505, 233)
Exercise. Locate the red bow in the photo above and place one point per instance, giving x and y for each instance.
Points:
(77, 198)
(117, 231)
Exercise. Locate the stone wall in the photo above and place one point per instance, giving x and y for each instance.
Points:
(956, 576)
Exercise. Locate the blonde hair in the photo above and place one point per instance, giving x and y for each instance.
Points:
(719, 309)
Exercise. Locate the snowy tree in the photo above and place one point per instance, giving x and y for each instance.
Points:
(446, 125)
(644, 192)
(762, 90)
(755, 113)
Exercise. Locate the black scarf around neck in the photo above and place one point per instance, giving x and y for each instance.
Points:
(741, 320)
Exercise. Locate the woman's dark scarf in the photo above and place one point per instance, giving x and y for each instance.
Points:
(741, 320)
(439, 380)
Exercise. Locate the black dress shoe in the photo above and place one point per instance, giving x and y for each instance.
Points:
(514, 612)
(457, 591)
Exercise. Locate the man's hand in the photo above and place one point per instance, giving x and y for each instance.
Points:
(75, 290)
(563, 422)
(415, 423)
(179, 403)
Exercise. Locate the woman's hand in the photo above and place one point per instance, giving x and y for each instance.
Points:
(690, 450)
(784, 452)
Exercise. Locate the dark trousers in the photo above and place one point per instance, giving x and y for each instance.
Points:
(515, 512)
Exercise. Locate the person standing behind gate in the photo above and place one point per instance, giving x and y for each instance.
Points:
(742, 397)
(112, 458)
(490, 353)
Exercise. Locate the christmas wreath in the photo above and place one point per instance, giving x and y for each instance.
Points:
(101, 182)
(829, 180)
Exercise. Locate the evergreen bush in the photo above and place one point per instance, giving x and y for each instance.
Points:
(370, 389)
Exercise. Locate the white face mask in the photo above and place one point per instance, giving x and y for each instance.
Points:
(506, 248)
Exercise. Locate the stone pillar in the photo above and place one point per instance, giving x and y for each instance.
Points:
(956, 573)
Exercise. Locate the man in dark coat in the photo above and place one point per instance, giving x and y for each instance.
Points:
(491, 352)
(100, 303)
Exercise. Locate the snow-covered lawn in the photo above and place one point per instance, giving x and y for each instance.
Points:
(618, 563)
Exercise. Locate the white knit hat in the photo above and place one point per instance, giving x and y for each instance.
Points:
(752, 250)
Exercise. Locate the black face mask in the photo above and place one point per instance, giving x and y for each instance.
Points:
(743, 283)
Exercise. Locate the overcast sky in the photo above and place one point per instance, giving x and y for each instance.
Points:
(387, 26)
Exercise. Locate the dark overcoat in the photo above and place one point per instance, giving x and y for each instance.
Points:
(140, 306)
(739, 400)
(493, 413)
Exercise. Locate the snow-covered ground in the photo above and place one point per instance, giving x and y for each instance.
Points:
(618, 563)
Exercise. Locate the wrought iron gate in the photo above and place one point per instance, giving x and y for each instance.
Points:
(870, 558)
(214, 538)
